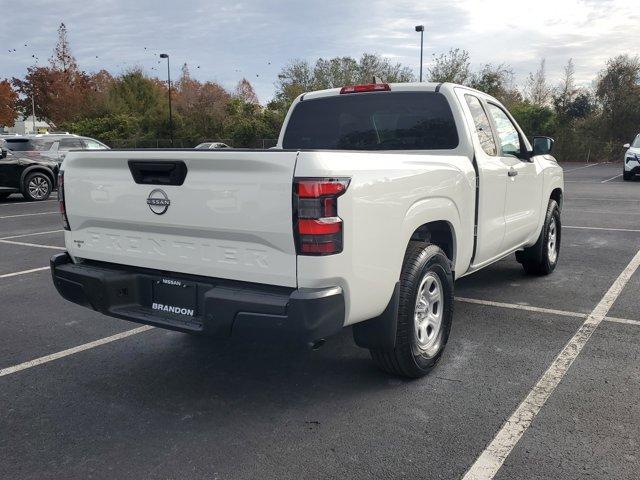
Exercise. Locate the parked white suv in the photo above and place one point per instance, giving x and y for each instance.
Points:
(631, 159)
(377, 198)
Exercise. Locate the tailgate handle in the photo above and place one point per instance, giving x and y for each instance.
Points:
(158, 172)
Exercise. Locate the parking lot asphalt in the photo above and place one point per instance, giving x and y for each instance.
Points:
(159, 404)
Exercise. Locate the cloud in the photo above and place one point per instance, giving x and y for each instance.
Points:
(254, 39)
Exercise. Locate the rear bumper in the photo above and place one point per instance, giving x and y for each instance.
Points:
(223, 308)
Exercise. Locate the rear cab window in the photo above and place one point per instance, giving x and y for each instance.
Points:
(373, 121)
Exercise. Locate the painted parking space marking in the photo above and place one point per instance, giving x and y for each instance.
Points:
(18, 204)
(28, 215)
(36, 245)
(72, 351)
(612, 178)
(23, 272)
(516, 306)
(580, 168)
(602, 228)
(494, 455)
(551, 311)
(31, 234)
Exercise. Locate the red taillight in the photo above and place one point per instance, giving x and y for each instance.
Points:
(61, 204)
(317, 228)
(369, 87)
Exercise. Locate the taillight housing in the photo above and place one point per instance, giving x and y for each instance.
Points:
(61, 204)
(316, 225)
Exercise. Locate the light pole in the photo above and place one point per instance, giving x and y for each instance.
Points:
(165, 55)
(420, 28)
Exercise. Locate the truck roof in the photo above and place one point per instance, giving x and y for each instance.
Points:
(395, 87)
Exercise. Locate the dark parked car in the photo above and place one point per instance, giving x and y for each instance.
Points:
(29, 173)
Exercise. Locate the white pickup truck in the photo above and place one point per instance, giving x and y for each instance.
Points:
(376, 198)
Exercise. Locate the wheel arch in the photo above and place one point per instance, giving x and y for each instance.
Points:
(434, 220)
(37, 168)
(557, 195)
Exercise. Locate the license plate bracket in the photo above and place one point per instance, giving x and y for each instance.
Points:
(174, 297)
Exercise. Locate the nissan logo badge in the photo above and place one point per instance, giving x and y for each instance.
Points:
(158, 201)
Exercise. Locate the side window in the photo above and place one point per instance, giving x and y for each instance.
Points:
(483, 127)
(93, 145)
(507, 133)
(71, 144)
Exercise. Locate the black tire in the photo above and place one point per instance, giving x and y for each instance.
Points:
(537, 260)
(37, 187)
(411, 357)
(627, 175)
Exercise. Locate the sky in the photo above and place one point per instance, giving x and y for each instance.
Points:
(225, 41)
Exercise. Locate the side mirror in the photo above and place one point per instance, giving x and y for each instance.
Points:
(542, 145)
(626, 145)
(3, 153)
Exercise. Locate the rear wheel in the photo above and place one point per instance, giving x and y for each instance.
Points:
(37, 187)
(425, 312)
(542, 257)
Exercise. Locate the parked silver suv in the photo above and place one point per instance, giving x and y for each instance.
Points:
(52, 145)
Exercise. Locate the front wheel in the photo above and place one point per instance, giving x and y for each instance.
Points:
(425, 312)
(542, 257)
(37, 187)
(626, 175)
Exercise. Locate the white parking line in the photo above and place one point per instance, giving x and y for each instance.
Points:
(602, 228)
(31, 234)
(71, 351)
(26, 244)
(29, 214)
(492, 458)
(529, 308)
(15, 274)
(612, 178)
(16, 204)
(580, 168)
(516, 306)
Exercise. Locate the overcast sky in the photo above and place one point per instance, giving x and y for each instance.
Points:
(226, 40)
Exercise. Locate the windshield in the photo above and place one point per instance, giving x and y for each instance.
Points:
(373, 121)
(636, 142)
(28, 144)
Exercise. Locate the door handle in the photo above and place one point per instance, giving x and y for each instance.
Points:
(512, 173)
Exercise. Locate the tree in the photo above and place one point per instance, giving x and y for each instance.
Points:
(245, 92)
(452, 66)
(497, 81)
(566, 91)
(538, 91)
(62, 58)
(201, 107)
(618, 91)
(299, 77)
(8, 99)
(293, 80)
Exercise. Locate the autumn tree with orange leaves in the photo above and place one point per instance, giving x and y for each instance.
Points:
(8, 98)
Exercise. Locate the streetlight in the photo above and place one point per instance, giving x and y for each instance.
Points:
(165, 55)
(420, 28)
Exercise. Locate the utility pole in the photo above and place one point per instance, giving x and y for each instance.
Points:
(420, 28)
(33, 111)
(165, 55)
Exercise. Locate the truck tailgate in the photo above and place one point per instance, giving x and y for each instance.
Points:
(231, 217)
